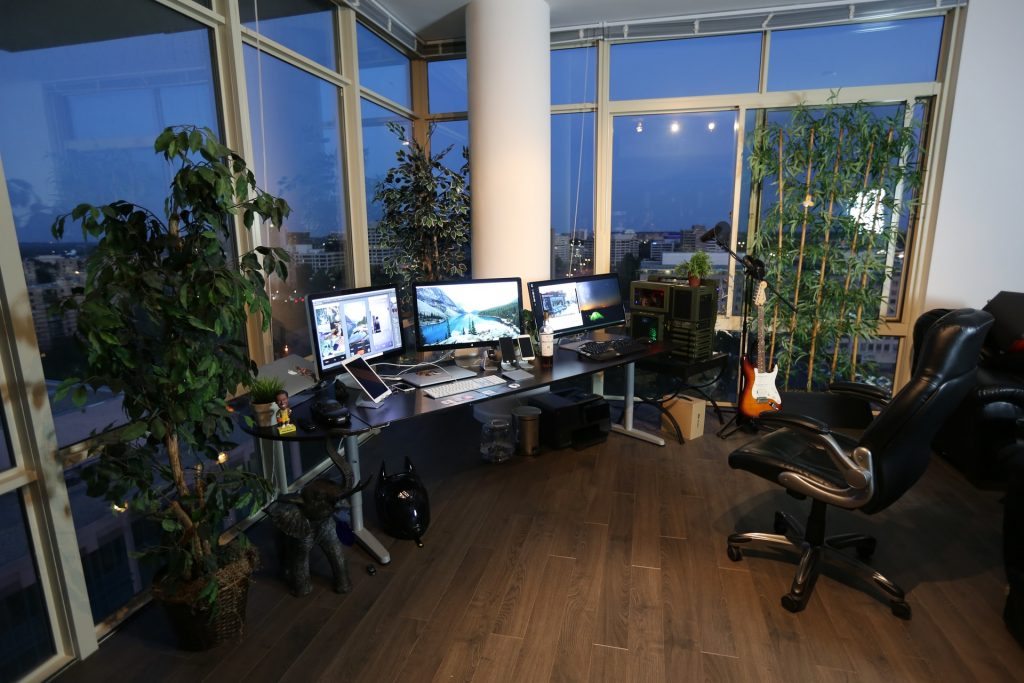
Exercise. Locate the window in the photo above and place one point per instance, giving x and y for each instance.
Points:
(684, 68)
(305, 26)
(24, 619)
(855, 54)
(454, 134)
(379, 148)
(83, 131)
(447, 86)
(673, 177)
(382, 68)
(296, 125)
(574, 75)
(572, 194)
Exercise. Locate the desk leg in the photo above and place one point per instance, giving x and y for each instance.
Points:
(359, 530)
(626, 427)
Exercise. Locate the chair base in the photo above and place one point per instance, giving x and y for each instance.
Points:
(813, 547)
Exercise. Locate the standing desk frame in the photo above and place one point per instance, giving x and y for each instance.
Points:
(410, 405)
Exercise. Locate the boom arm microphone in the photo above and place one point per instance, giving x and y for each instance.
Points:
(715, 232)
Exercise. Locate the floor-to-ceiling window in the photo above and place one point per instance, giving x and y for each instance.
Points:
(573, 148)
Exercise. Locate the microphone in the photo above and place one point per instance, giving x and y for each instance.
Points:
(716, 232)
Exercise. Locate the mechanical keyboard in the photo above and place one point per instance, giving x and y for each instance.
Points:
(463, 385)
(614, 348)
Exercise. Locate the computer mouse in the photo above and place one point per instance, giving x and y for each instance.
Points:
(513, 385)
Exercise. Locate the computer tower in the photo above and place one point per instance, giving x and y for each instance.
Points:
(690, 328)
(645, 325)
(650, 297)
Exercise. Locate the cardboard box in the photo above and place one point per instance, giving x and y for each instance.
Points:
(689, 412)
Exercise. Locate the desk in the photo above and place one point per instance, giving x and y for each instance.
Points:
(405, 406)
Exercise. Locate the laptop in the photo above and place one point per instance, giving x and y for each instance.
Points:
(430, 375)
(287, 370)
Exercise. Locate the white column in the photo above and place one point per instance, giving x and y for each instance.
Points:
(509, 65)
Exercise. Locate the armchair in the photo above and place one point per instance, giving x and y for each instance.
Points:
(810, 460)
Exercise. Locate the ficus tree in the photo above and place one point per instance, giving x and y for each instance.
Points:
(161, 319)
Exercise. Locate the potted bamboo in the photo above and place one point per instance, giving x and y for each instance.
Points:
(161, 320)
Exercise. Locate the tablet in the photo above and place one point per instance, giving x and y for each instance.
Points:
(367, 378)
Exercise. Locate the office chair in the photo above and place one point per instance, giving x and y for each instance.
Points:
(868, 474)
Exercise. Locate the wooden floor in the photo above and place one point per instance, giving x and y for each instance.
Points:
(609, 564)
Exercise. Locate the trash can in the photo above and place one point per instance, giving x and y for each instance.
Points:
(527, 429)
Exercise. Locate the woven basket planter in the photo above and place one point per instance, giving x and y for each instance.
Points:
(198, 626)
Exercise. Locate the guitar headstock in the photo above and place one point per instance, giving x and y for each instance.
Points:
(759, 297)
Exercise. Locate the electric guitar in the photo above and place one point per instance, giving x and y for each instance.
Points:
(759, 391)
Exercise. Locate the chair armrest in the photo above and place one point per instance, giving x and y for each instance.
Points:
(855, 466)
(784, 419)
(868, 392)
(1000, 394)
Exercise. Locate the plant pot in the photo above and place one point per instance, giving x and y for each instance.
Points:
(200, 626)
(264, 413)
(694, 281)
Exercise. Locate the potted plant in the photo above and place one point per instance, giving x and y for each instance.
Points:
(424, 229)
(161, 319)
(262, 395)
(696, 269)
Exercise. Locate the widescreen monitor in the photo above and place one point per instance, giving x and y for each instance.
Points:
(467, 314)
(353, 322)
(578, 304)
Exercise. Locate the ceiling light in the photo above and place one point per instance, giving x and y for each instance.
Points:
(640, 126)
(711, 125)
(674, 127)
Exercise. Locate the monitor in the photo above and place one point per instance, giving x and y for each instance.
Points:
(578, 304)
(466, 314)
(353, 322)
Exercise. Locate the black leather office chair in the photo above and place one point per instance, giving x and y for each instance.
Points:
(810, 460)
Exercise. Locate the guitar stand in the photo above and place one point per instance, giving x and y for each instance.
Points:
(735, 424)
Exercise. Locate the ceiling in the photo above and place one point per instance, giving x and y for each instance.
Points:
(437, 20)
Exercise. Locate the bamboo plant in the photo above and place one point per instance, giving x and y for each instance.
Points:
(835, 183)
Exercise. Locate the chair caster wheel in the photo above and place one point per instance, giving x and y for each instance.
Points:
(781, 526)
(866, 548)
(792, 604)
(900, 609)
(735, 554)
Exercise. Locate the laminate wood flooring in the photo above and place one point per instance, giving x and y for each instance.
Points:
(608, 564)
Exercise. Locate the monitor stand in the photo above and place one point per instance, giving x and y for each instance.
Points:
(471, 359)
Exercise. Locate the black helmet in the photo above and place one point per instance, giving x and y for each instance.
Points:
(402, 503)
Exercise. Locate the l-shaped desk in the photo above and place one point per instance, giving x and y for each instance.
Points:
(405, 406)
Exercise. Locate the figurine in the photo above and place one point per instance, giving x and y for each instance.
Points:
(284, 415)
(307, 520)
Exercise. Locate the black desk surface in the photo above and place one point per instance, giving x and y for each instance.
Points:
(402, 406)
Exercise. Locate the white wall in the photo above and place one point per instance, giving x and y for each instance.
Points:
(979, 238)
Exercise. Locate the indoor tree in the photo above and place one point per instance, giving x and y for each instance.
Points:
(161, 319)
(835, 183)
(424, 230)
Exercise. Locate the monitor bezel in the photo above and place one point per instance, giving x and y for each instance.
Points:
(466, 345)
(538, 308)
(338, 367)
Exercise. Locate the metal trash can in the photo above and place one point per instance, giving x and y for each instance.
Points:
(527, 429)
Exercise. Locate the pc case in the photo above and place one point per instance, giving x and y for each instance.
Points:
(647, 326)
(650, 297)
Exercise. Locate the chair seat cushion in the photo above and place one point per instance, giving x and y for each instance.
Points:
(784, 450)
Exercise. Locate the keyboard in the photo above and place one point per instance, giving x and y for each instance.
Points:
(461, 386)
(614, 348)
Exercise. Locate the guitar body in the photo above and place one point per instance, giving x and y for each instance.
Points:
(759, 392)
